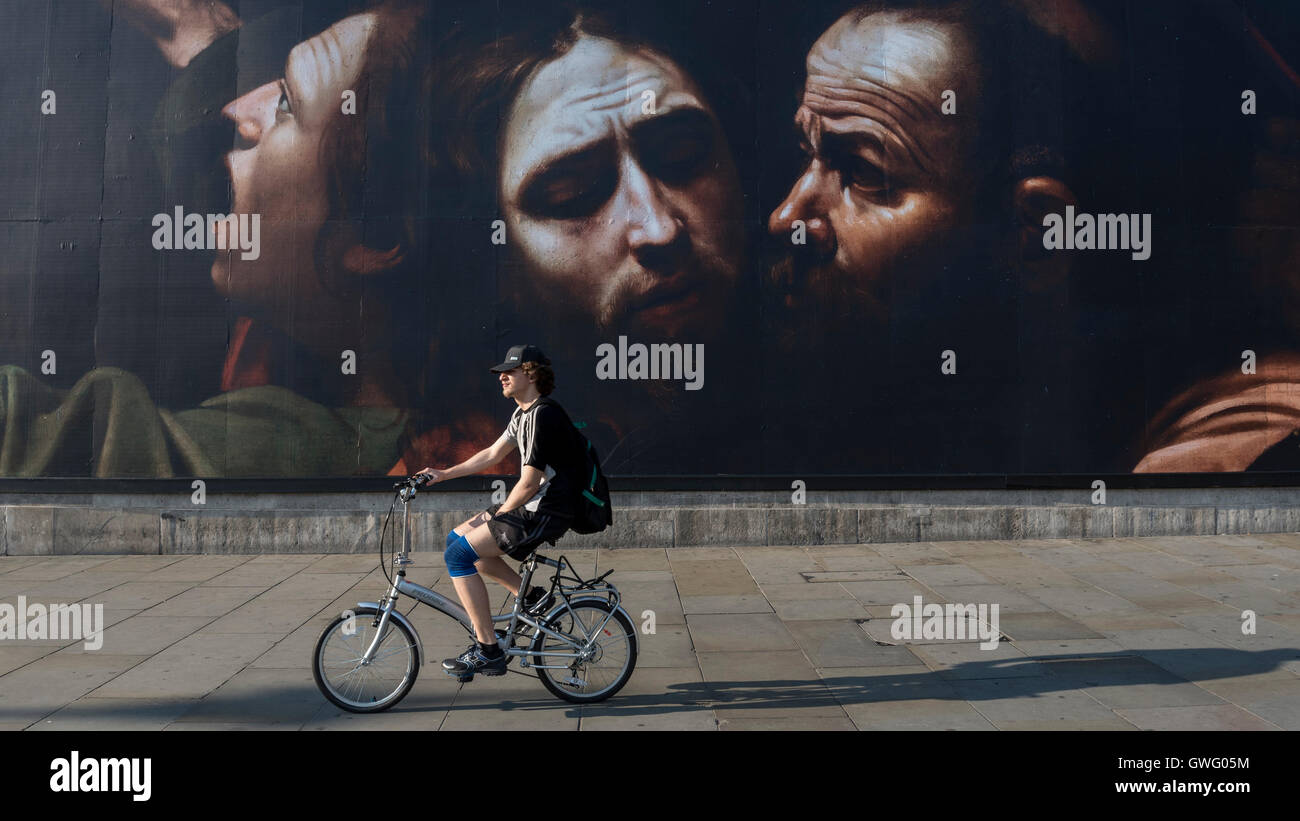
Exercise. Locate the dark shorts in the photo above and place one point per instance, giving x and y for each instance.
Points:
(520, 532)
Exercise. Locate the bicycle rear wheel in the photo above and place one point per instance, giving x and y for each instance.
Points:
(609, 661)
(358, 687)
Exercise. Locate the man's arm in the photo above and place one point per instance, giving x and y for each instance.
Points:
(483, 459)
(530, 481)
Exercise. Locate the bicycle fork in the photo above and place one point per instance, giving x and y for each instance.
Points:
(387, 609)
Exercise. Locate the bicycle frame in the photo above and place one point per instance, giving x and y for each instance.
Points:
(401, 586)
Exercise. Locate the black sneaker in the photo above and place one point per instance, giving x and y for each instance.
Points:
(472, 661)
(538, 601)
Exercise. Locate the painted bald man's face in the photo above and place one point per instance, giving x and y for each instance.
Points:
(277, 170)
(621, 197)
(889, 177)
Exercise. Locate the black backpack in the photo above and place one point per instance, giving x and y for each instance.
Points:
(594, 511)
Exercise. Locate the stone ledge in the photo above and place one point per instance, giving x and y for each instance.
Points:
(37, 530)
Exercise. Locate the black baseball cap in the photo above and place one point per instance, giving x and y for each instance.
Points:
(520, 354)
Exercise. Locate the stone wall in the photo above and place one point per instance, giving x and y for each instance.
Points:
(87, 523)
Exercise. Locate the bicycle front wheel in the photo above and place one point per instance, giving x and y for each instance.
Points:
(360, 687)
(609, 652)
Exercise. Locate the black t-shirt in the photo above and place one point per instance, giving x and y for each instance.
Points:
(548, 441)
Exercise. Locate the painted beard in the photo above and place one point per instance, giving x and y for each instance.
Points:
(705, 285)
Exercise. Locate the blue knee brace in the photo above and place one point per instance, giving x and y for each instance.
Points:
(460, 557)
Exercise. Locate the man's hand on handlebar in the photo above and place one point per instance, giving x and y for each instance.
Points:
(428, 476)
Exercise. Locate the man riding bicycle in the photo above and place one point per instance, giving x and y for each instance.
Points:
(540, 507)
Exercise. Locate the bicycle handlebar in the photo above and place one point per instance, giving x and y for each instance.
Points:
(417, 481)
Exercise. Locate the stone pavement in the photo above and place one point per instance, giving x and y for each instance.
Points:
(1096, 634)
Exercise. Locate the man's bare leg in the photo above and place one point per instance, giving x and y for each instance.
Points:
(494, 567)
(471, 590)
(473, 596)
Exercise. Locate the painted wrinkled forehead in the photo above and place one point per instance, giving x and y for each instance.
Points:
(885, 75)
(331, 59)
(918, 56)
(598, 89)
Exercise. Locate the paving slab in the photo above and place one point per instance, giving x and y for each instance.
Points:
(843, 643)
(820, 609)
(294, 650)
(800, 723)
(192, 667)
(263, 696)
(1008, 599)
(195, 569)
(666, 698)
(1055, 648)
(1224, 717)
(680, 554)
(140, 595)
(802, 591)
(738, 633)
(1009, 702)
(91, 714)
(8, 564)
(139, 564)
(232, 727)
(644, 575)
(266, 615)
(1083, 601)
(64, 590)
(881, 630)
(766, 685)
(343, 563)
(752, 603)
(917, 714)
(912, 553)
(206, 601)
(505, 703)
(742, 669)
(890, 592)
(669, 646)
(48, 569)
(620, 560)
(424, 709)
(1037, 626)
(46, 685)
(1125, 682)
(846, 563)
(966, 661)
(886, 684)
(142, 634)
(716, 577)
(661, 597)
(932, 575)
(18, 654)
(308, 586)
(1272, 576)
(1097, 634)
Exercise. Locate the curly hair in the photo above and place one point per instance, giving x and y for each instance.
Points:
(545, 376)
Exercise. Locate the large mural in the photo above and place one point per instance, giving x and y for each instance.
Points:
(288, 239)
